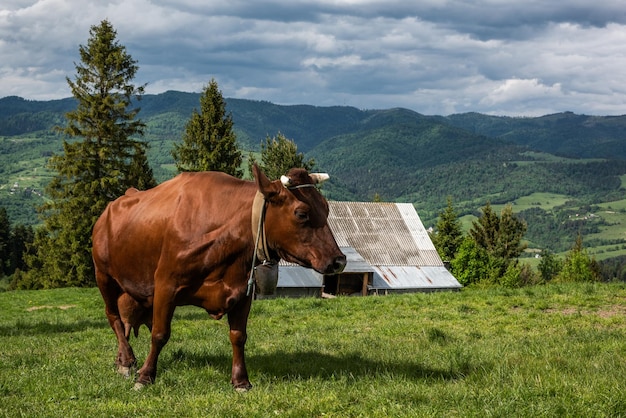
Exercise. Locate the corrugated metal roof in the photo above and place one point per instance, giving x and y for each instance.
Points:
(296, 276)
(387, 239)
(355, 263)
(389, 234)
(413, 277)
(393, 240)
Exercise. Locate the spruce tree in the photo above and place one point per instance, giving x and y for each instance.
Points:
(449, 235)
(209, 142)
(501, 236)
(578, 266)
(98, 166)
(280, 154)
(511, 232)
(484, 230)
(21, 239)
(549, 266)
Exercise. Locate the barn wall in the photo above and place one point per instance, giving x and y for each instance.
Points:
(294, 292)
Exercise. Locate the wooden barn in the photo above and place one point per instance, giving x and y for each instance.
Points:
(388, 251)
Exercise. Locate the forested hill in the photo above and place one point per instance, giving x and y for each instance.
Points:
(567, 134)
(393, 154)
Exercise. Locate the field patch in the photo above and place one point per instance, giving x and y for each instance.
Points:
(61, 307)
(545, 201)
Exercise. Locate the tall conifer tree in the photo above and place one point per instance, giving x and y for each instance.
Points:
(484, 230)
(449, 234)
(501, 236)
(209, 142)
(98, 166)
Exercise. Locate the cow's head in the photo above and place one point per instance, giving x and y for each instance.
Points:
(296, 221)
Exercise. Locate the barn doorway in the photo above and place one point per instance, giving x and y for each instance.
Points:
(347, 284)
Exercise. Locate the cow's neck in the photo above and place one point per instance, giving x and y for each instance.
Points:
(263, 252)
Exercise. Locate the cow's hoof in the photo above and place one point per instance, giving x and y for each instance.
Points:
(138, 386)
(124, 371)
(243, 389)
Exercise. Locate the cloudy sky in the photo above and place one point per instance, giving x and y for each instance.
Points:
(518, 58)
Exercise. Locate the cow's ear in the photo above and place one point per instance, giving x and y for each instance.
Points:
(265, 186)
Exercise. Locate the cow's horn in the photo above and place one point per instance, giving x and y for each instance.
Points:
(286, 181)
(319, 177)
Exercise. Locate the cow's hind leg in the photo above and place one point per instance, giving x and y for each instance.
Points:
(111, 291)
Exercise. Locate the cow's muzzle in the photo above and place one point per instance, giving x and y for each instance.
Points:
(337, 266)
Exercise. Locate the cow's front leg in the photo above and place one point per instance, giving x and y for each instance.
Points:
(237, 320)
(162, 313)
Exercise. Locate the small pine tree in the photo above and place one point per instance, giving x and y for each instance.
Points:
(484, 231)
(278, 155)
(549, 266)
(94, 170)
(209, 142)
(448, 233)
(511, 232)
(578, 266)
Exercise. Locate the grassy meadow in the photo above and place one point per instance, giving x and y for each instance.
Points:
(554, 350)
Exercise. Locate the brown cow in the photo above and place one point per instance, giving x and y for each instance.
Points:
(189, 241)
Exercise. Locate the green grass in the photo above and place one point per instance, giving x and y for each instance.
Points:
(555, 350)
(617, 205)
(545, 201)
(545, 157)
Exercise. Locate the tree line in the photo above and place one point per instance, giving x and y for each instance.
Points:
(489, 253)
(13, 245)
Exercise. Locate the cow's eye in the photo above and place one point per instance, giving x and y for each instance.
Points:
(302, 216)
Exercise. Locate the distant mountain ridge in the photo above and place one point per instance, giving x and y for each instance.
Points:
(566, 134)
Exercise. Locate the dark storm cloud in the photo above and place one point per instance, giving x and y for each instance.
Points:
(436, 57)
